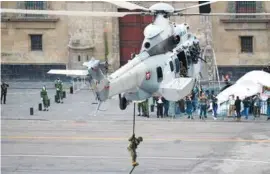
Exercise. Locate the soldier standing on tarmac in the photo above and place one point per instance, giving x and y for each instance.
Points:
(140, 105)
(59, 90)
(4, 87)
(45, 98)
(145, 108)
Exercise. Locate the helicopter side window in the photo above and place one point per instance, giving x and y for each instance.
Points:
(177, 65)
(171, 66)
(159, 74)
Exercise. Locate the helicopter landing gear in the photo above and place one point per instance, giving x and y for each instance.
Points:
(122, 102)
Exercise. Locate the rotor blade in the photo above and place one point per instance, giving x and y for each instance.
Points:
(224, 14)
(69, 13)
(193, 6)
(127, 5)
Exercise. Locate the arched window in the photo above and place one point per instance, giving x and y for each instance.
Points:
(79, 58)
(87, 58)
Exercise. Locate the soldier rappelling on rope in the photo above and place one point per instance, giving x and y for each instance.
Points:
(134, 142)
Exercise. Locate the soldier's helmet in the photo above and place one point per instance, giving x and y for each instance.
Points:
(140, 139)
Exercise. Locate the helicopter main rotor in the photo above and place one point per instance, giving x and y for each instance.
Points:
(159, 8)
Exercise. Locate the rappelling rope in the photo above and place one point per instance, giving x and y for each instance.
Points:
(134, 118)
(132, 169)
(133, 131)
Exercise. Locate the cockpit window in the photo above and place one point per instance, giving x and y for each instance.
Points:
(177, 65)
(171, 66)
(159, 74)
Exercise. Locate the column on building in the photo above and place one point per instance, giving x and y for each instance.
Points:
(80, 50)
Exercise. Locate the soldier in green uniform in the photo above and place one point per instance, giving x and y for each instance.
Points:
(145, 108)
(134, 142)
(44, 98)
(140, 108)
(59, 90)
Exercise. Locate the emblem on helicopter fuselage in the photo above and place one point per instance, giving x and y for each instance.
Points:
(147, 75)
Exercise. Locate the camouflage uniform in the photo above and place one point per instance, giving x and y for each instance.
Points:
(134, 142)
(140, 108)
(145, 108)
(4, 87)
(59, 90)
(45, 98)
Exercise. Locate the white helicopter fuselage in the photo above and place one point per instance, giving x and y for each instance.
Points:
(157, 51)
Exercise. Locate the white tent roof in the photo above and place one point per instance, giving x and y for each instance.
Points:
(249, 84)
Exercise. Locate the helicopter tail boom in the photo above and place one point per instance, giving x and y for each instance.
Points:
(102, 84)
(94, 69)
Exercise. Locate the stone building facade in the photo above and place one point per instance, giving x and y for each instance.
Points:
(241, 43)
(86, 34)
(32, 44)
(91, 30)
(68, 41)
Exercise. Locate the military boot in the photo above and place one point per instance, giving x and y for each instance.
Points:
(135, 163)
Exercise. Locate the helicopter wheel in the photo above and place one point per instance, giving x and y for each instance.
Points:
(123, 103)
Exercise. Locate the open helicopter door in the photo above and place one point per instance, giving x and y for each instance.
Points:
(177, 89)
(183, 60)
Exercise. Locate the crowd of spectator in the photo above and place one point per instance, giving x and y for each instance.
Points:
(199, 102)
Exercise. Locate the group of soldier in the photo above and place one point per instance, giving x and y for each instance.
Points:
(143, 108)
(58, 97)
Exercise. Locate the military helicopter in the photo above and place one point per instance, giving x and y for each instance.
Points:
(167, 49)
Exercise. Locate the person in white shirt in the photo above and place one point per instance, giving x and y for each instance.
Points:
(159, 107)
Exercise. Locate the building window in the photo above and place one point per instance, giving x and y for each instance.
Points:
(246, 44)
(34, 5)
(245, 7)
(87, 58)
(36, 42)
(79, 58)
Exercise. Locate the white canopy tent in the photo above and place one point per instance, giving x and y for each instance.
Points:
(248, 85)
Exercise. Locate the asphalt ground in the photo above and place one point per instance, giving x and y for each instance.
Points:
(70, 139)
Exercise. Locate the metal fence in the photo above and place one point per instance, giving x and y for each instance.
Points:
(174, 110)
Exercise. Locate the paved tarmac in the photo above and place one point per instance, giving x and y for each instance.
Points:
(69, 139)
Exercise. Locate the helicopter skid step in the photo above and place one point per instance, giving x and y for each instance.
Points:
(177, 88)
